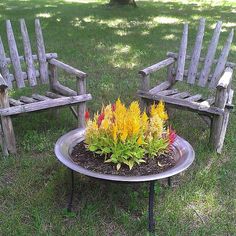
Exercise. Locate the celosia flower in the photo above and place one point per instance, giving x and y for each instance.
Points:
(87, 115)
(172, 135)
(100, 118)
(113, 106)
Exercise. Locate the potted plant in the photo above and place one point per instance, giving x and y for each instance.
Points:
(127, 138)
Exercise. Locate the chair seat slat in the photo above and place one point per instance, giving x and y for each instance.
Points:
(14, 56)
(28, 54)
(210, 55)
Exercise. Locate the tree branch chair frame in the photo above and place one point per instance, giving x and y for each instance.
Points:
(57, 96)
(214, 110)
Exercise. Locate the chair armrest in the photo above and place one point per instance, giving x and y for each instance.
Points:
(3, 83)
(225, 79)
(67, 68)
(157, 66)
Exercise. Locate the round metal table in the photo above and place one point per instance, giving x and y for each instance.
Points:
(183, 154)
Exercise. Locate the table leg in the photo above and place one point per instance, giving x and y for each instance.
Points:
(69, 206)
(169, 182)
(151, 222)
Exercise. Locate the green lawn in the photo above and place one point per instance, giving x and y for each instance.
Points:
(111, 45)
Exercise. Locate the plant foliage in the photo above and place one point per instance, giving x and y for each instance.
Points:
(125, 135)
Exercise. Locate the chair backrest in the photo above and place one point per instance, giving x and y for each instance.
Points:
(35, 64)
(204, 76)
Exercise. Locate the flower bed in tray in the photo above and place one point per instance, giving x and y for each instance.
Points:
(125, 141)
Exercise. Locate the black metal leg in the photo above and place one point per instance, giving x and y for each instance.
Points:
(169, 182)
(151, 222)
(71, 193)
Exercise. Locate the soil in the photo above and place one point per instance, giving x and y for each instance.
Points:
(94, 162)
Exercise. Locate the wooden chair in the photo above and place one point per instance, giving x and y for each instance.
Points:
(40, 69)
(217, 107)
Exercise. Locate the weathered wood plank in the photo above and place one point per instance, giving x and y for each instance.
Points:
(67, 68)
(194, 98)
(3, 83)
(181, 95)
(8, 132)
(222, 61)
(3, 65)
(53, 95)
(40, 97)
(220, 102)
(163, 86)
(27, 99)
(168, 92)
(192, 72)
(49, 56)
(182, 54)
(14, 102)
(14, 56)
(42, 105)
(181, 103)
(225, 123)
(41, 53)
(3, 142)
(202, 59)
(210, 55)
(24, 75)
(156, 66)
(207, 103)
(226, 78)
(81, 89)
(28, 54)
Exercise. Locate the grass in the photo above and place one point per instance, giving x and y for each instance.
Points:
(111, 45)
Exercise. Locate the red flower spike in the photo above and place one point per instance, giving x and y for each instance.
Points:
(113, 107)
(87, 115)
(172, 136)
(101, 118)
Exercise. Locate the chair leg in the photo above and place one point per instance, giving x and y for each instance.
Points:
(9, 140)
(3, 143)
(218, 131)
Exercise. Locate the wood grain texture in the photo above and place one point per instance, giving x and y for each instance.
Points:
(14, 102)
(181, 95)
(168, 92)
(202, 59)
(28, 54)
(210, 56)
(194, 98)
(192, 71)
(49, 56)
(4, 71)
(157, 66)
(182, 54)
(41, 53)
(81, 89)
(226, 78)
(220, 67)
(39, 97)
(42, 105)
(27, 100)
(3, 83)
(194, 106)
(14, 56)
(163, 86)
(7, 128)
(225, 123)
(67, 68)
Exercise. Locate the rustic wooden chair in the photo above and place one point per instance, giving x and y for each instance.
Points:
(40, 69)
(217, 107)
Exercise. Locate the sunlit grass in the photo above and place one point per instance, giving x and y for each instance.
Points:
(112, 44)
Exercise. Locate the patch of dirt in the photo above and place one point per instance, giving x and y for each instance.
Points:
(95, 162)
